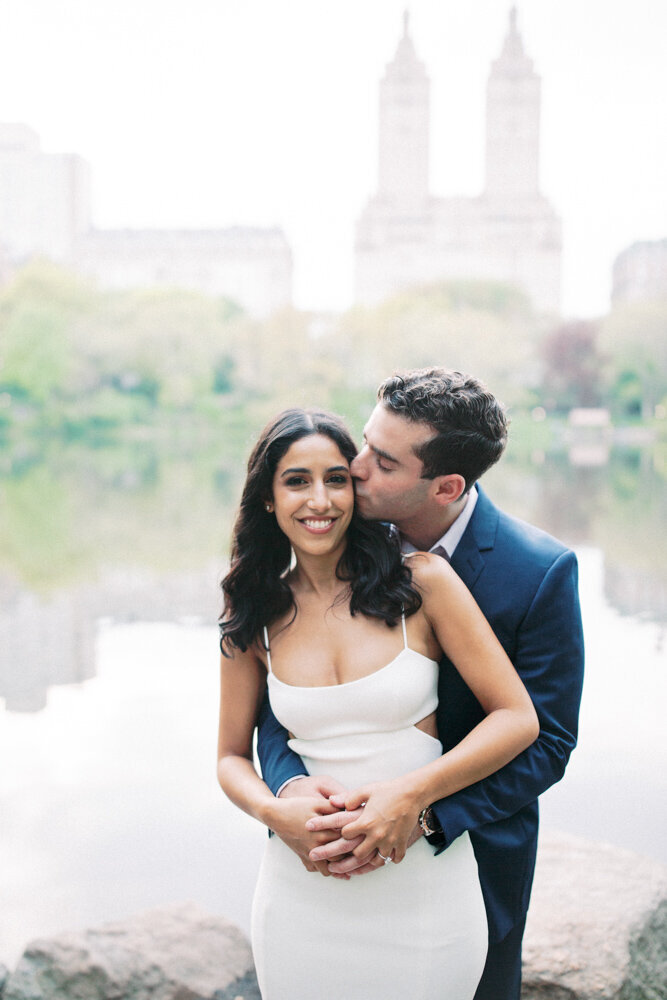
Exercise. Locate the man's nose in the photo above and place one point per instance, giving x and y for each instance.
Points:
(358, 465)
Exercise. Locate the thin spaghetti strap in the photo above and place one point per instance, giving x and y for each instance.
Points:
(268, 651)
(405, 631)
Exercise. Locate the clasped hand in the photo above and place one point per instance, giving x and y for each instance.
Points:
(378, 819)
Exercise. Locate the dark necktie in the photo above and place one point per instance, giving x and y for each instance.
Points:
(439, 550)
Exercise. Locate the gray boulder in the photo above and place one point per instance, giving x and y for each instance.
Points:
(597, 930)
(597, 925)
(173, 953)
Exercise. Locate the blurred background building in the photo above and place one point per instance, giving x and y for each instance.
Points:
(406, 236)
(640, 272)
(509, 233)
(45, 211)
(44, 198)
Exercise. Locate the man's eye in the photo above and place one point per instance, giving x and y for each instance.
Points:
(383, 468)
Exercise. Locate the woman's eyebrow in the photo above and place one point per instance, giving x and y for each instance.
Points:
(332, 468)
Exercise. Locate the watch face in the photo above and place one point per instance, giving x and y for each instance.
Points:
(431, 824)
(426, 820)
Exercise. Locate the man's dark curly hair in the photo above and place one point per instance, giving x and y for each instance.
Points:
(469, 423)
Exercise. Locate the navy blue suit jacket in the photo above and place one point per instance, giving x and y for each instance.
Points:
(525, 582)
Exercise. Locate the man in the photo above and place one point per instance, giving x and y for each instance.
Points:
(429, 439)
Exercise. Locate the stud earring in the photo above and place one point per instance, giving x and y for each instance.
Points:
(267, 506)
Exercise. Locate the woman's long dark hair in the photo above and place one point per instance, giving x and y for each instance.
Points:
(255, 590)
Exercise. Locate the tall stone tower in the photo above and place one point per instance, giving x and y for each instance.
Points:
(512, 121)
(403, 154)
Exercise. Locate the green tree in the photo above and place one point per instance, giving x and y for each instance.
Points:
(484, 328)
(38, 311)
(635, 338)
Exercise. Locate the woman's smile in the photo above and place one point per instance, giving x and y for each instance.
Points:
(318, 525)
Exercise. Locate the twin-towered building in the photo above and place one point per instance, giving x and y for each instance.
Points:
(405, 236)
(509, 233)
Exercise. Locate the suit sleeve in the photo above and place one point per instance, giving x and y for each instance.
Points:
(277, 761)
(550, 660)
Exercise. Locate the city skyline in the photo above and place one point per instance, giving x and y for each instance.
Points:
(213, 115)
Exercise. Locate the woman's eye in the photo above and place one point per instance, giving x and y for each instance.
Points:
(339, 480)
(295, 481)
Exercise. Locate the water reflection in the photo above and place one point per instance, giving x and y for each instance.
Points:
(48, 640)
(619, 507)
(133, 534)
(126, 534)
(43, 643)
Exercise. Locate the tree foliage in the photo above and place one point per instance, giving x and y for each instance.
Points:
(76, 359)
(573, 367)
(635, 337)
(75, 356)
(480, 327)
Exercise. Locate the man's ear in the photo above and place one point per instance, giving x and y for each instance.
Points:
(449, 489)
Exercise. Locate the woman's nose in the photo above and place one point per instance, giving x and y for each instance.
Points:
(319, 498)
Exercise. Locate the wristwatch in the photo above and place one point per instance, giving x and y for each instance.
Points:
(430, 827)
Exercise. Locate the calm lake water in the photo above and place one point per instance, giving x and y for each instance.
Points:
(109, 567)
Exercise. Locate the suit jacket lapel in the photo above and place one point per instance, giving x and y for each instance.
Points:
(478, 537)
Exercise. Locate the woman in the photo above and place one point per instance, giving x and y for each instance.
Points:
(320, 606)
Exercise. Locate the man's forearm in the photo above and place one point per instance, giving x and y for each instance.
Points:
(501, 794)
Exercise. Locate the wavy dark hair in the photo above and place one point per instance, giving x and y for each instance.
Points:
(255, 590)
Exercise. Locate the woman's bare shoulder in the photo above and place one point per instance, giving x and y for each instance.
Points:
(254, 655)
(429, 570)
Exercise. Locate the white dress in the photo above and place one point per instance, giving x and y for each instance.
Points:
(411, 930)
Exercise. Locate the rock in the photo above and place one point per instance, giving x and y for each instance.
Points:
(597, 930)
(173, 953)
(597, 925)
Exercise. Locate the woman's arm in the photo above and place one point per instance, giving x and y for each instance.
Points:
(510, 725)
(242, 686)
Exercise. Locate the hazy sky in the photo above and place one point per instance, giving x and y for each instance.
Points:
(264, 112)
